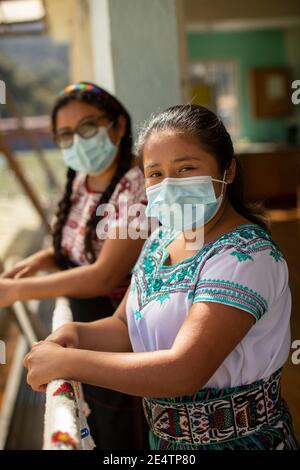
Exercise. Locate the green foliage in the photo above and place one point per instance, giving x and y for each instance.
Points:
(35, 70)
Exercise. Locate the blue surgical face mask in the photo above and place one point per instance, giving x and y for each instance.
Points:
(184, 203)
(93, 155)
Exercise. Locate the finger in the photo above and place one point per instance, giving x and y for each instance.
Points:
(31, 382)
(36, 343)
(64, 342)
(11, 273)
(22, 273)
(26, 360)
(36, 387)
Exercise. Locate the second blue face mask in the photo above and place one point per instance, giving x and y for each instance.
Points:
(92, 155)
(184, 203)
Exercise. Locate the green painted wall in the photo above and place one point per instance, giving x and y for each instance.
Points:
(250, 49)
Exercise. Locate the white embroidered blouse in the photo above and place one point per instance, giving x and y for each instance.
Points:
(243, 268)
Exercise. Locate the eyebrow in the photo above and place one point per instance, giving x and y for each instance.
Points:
(178, 159)
(151, 165)
(185, 158)
(90, 116)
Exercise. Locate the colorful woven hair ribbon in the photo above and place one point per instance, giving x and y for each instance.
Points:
(81, 86)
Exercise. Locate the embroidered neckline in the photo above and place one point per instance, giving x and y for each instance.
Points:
(156, 282)
(164, 252)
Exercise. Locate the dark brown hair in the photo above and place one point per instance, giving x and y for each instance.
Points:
(200, 122)
(103, 101)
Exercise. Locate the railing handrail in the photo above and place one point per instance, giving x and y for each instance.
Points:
(65, 426)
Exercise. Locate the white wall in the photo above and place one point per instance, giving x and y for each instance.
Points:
(136, 53)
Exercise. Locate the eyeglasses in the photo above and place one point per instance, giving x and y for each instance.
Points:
(85, 129)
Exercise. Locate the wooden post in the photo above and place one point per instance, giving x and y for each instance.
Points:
(14, 165)
(31, 139)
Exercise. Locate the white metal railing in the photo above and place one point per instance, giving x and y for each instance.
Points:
(65, 426)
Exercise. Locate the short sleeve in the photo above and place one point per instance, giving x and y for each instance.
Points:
(126, 206)
(130, 197)
(132, 186)
(248, 281)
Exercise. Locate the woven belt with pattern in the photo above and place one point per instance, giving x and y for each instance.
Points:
(211, 421)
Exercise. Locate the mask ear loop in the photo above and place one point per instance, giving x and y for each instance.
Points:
(223, 183)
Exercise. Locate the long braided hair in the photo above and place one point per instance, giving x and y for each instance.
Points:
(95, 96)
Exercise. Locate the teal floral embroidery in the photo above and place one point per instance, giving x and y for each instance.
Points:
(149, 265)
(162, 297)
(180, 276)
(276, 255)
(137, 314)
(157, 284)
(241, 256)
(192, 269)
(248, 234)
(232, 293)
(154, 245)
(191, 295)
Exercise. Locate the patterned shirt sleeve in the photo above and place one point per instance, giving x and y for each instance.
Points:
(129, 197)
(247, 281)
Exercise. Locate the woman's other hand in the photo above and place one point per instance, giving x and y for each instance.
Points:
(44, 363)
(41, 261)
(66, 336)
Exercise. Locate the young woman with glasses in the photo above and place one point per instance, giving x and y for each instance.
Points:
(93, 131)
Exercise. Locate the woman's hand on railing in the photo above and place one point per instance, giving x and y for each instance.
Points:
(44, 363)
(66, 336)
(43, 260)
(64, 418)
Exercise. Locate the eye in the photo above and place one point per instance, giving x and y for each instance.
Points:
(186, 168)
(155, 174)
(87, 129)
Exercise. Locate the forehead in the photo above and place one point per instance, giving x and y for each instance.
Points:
(74, 111)
(173, 144)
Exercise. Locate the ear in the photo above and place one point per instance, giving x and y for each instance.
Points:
(231, 171)
(122, 124)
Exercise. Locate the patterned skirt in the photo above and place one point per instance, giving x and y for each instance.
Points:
(250, 417)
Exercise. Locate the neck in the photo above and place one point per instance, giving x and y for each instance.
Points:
(225, 220)
(217, 221)
(221, 222)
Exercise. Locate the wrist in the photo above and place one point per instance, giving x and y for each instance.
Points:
(68, 363)
(19, 289)
(46, 257)
(13, 290)
(80, 329)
